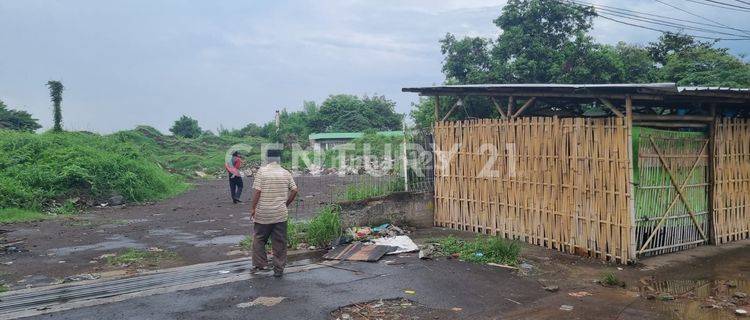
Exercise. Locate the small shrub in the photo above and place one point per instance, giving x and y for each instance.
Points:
(66, 208)
(483, 249)
(324, 227)
(610, 279)
(247, 243)
(296, 233)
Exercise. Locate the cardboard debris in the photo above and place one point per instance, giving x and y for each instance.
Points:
(404, 244)
(359, 252)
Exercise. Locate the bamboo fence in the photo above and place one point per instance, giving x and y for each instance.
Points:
(559, 183)
(731, 219)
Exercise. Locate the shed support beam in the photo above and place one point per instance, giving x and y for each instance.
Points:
(458, 103)
(611, 107)
(511, 104)
(524, 107)
(499, 108)
(437, 108)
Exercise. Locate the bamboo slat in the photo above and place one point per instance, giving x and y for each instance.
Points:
(731, 201)
(558, 183)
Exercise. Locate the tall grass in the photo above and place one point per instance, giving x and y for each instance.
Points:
(37, 170)
(372, 189)
(324, 227)
(11, 215)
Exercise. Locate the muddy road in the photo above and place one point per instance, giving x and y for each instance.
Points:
(200, 225)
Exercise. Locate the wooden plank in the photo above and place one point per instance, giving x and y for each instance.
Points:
(524, 107)
(458, 103)
(498, 107)
(611, 107)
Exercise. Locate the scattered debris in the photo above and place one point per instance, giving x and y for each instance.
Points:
(552, 288)
(262, 301)
(740, 295)
(514, 301)
(428, 251)
(359, 252)
(740, 312)
(403, 243)
(410, 292)
(155, 249)
(566, 307)
(81, 277)
(457, 309)
(223, 271)
(666, 297)
(107, 255)
(501, 266)
(579, 294)
(399, 308)
(200, 174)
(235, 253)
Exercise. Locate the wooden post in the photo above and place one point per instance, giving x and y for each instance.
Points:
(632, 256)
(711, 175)
(437, 108)
(458, 103)
(511, 102)
(611, 107)
(405, 160)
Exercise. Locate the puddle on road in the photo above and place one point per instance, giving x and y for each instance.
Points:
(712, 291)
(233, 239)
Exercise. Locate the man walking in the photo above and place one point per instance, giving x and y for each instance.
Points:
(235, 178)
(274, 191)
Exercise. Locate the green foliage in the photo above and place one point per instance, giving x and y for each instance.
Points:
(56, 89)
(362, 191)
(68, 207)
(324, 227)
(706, 67)
(16, 120)
(610, 279)
(186, 127)
(137, 257)
(482, 249)
(247, 243)
(548, 41)
(11, 215)
(185, 156)
(296, 232)
(37, 170)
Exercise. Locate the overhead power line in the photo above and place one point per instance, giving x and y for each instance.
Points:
(601, 7)
(693, 14)
(665, 31)
(721, 5)
(712, 30)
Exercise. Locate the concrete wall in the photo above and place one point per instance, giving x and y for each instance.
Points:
(401, 208)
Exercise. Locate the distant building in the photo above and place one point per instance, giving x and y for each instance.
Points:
(329, 140)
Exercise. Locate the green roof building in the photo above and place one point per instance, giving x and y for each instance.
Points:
(329, 140)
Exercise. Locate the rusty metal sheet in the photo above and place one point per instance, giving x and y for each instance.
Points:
(359, 252)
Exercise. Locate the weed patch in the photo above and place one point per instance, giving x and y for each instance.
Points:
(610, 279)
(482, 249)
(324, 227)
(11, 215)
(136, 257)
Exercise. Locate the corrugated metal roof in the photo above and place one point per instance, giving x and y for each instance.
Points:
(630, 87)
(713, 89)
(351, 135)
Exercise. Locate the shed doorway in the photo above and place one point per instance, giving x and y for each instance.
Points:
(671, 178)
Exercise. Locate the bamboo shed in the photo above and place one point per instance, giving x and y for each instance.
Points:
(613, 171)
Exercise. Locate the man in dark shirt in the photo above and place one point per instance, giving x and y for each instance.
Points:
(235, 178)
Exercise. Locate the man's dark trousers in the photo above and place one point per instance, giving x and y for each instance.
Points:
(235, 187)
(277, 233)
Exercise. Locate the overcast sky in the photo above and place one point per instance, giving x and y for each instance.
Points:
(228, 63)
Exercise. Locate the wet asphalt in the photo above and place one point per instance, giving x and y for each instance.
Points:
(480, 291)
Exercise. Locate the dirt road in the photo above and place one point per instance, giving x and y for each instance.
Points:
(201, 225)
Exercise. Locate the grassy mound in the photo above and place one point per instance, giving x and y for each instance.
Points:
(185, 156)
(37, 170)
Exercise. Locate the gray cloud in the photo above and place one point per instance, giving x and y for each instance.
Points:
(233, 62)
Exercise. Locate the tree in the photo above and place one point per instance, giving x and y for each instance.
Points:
(56, 89)
(186, 127)
(674, 43)
(16, 120)
(701, 66)
(349, 113)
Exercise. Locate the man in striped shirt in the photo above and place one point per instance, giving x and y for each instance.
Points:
(274, 191)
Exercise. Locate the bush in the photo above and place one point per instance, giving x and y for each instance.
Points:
(37, 170)
(186, 127)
